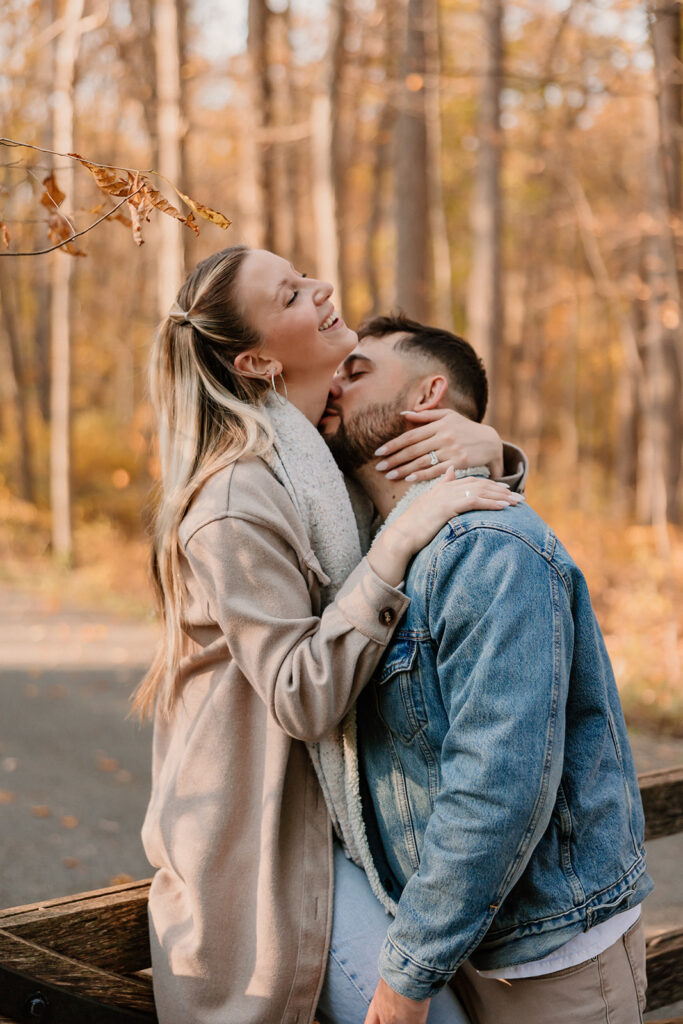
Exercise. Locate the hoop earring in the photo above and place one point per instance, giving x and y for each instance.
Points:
(282, 399)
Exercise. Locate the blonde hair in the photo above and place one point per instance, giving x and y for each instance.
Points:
(208, 416)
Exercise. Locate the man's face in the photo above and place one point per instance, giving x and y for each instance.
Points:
(371, 388)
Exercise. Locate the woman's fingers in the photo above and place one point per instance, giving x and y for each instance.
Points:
(410, 437)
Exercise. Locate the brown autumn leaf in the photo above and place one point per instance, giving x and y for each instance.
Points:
(72, 863)
(107, 179)
(155, 199)
(58, 230)
(7, 797)
(41, 811)
(205, 211)
(121, 217)
(52, 195)
(4, 231)
(69, 821)
(107, 764)
(121, 879)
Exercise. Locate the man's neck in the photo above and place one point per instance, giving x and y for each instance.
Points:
(384, 493)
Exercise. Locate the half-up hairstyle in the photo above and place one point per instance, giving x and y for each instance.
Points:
(208, 415)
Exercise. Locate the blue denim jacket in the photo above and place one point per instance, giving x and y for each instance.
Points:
(501, 797)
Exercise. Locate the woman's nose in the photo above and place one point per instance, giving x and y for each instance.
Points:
(322, 291)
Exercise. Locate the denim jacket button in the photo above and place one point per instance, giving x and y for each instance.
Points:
(387, 616)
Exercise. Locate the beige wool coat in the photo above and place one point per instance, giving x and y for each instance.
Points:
(237, 827)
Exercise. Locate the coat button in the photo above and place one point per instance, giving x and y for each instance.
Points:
(387, 616)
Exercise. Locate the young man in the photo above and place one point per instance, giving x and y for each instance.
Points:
(502, 803)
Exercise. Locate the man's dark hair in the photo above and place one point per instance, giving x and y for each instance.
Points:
(465, 371)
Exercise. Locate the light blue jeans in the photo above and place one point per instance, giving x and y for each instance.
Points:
(359, 926)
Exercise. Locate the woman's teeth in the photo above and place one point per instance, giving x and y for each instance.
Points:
(332, 319)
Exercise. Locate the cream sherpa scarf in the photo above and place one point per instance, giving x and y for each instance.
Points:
(304, 466)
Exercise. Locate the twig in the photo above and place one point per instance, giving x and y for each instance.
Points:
(66, 241)
(12, 143)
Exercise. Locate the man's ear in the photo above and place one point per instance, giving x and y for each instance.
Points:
(253, 364)
(431, 392)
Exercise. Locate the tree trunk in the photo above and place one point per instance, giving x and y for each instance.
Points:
(485, 292)
(25, 461)
(171, 262)
(323, 190)
(66, 52)
(261, 119)
(411, 173)
(441, 258)
(663, 357)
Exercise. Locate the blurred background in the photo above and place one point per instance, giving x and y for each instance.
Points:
(506, 168)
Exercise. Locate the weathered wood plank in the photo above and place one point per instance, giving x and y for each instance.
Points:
(131, 888)
(105, 929)
(45, 965)
(664, 969)
(662, 795)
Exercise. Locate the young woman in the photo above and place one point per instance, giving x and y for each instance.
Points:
(273, 623)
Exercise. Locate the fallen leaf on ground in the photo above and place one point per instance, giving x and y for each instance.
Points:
(6, 797)
(69, 821)
(107, 764)
(121, 879)
(72, 862)
(41, 811)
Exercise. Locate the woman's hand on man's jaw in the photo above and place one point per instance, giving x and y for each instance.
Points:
(388, 1007)
(454, 439)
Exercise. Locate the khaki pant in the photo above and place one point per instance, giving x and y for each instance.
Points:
(608, 989)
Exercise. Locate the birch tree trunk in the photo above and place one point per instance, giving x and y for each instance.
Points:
(485, 290)
(66, 52)
(170, 130)
(411, 188)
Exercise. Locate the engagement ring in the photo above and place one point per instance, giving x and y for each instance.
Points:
(434, 458)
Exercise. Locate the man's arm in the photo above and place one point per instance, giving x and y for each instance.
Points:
(501, 622)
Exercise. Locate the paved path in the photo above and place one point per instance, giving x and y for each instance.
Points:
(74, 771)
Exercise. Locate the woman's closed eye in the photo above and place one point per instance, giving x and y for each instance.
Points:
(294, 295)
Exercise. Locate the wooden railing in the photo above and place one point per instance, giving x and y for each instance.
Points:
(77, 960)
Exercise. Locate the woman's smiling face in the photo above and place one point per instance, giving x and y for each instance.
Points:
(295, 317)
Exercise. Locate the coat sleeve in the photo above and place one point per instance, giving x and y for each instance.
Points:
(501, 620)
(308, 669)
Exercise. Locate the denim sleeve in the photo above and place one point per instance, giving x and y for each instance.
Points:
(500, 618)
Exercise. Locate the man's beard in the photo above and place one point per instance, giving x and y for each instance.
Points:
(355, 441)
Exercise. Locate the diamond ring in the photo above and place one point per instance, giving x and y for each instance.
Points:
(434, 458)
(468, 494)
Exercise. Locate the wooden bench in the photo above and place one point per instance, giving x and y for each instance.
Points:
(78, 960)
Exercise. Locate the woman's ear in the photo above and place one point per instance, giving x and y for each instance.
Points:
(253, 364)
(431, 393)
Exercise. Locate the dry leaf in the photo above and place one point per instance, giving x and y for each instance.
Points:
(41, 811)
(109, 180)
(58, 230)
(7, 797)
(4, 231)
(121, 879)
(69, 821)
(53, 195)
(72, 862)
(121, 217)
(205, 211)
(107, 764)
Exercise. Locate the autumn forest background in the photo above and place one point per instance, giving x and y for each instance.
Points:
(507, 168)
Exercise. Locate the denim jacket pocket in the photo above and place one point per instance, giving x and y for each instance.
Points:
(400, 699)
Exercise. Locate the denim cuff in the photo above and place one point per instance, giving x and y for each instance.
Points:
(407, 977)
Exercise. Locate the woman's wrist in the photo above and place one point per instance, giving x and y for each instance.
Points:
(390, 554)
